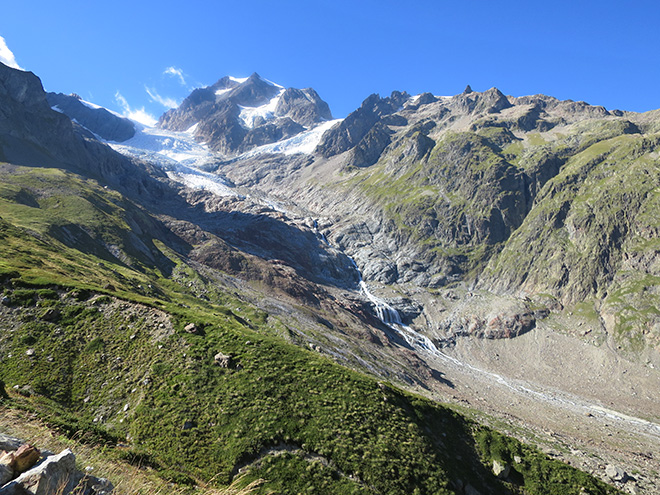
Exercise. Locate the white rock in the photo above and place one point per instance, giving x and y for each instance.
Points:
(615, 473)
(56, 474)
(501, 470)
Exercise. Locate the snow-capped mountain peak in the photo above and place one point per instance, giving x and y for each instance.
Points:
(235, 115)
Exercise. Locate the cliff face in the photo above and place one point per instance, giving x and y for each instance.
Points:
(33, 134)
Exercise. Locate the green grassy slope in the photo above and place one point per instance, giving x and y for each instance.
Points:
(92, 338)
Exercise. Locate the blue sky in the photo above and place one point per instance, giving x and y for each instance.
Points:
(117, 53)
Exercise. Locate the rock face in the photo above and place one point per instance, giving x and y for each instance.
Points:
(233, 116)
(357, 126)
(97, 120)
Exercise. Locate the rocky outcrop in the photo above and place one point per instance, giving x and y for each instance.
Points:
(23, 472)
(491, 101)
(222, 360)
(98, 120)
(371, 146)
(303, 106)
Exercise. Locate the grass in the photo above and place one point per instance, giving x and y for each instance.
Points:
(96, 347)
(354, 437)
(127, 478)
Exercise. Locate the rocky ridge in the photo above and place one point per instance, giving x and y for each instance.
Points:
(97, 120)
(432, 191)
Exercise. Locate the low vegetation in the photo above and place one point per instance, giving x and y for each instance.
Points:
(102, 349)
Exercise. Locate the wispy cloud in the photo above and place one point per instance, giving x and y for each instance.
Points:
(167, 102)
(176, 72)
(6, 55)
(138, 114)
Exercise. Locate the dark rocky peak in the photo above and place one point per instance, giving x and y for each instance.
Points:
(225, 83)
(425, 99)
(357, 125)
(491, 101)
(22, 87)
(98, 120)
(236, 115)
(198, 105)
(467, 90)
(218, 99)
(303, 106)
(254, 92)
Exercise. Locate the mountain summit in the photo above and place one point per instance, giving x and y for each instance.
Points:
(236, 115)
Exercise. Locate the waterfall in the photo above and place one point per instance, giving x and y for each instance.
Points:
(386, 313)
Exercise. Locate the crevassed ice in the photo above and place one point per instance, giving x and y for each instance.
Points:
(305, 142)
(178, 154)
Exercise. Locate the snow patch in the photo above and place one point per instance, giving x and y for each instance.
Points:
(221, 92)
(192, 129)
(239, 80)
(94, 106)
(271, 83)
(249, 115)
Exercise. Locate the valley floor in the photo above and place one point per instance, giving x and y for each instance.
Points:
(581, 413)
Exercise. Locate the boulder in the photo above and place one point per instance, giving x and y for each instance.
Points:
(9, 443)
(615, 473)
(501, 469)
(51, 315)
(6, 471)
(191, 328)
(25, 457)
(222, 360)
(56, 474)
